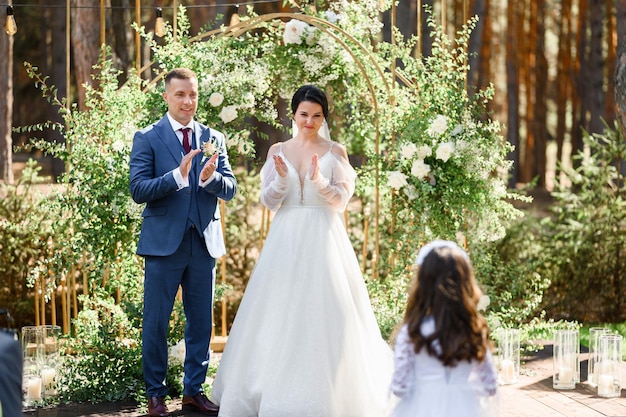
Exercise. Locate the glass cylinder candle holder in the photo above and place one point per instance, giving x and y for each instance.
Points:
(565, 359)
(33, 344)
(33, 390)
(608, 367)
(594, 340)
(508, 356)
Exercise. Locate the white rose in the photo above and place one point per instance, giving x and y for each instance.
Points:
(331, 16)
(216, 99)
(438, 126)
(118, 146)
(419, 169)
(483, 303)
(228, 114)
(424, 151)
(248, 99)
(444, 151)
(294, 29)
(408, 150)
(396, 179)
(457, 129)
(177, 351)
(410, 192)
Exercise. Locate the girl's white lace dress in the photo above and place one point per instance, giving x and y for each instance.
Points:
(427, 388)
(305, 341)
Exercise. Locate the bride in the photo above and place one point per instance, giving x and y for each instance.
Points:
(305, 341)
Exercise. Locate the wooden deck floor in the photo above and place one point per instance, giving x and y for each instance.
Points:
(533, 395)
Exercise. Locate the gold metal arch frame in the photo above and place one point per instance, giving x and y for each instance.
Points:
(334, 31)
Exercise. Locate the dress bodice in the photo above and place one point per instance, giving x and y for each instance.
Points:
(332, 188)
(301, 190)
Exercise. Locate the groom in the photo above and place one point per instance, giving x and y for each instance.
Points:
(181, 235)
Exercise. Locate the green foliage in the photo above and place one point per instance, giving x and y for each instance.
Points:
(508, 271)
(243, 236)
(25, 232)
(96, 223)
(103, 359)
(446, 169)
(584, 239)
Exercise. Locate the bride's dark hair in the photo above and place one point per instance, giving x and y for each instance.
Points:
(446, 290)
(310, 93)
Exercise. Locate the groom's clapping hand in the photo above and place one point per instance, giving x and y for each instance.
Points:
(185, 163)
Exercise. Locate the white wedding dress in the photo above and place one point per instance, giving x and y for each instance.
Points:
(305, 341)
(427, 388)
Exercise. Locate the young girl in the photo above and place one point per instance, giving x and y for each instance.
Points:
(443, 366)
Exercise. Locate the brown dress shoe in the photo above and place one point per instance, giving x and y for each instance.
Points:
(157, 407)
(200, 404)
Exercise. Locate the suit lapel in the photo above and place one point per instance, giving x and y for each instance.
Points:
(165, 132)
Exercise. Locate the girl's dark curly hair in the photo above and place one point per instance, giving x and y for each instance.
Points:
(446, 290)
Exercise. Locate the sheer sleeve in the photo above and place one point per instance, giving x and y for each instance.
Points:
(486, 376)
(338, 189)
(274, 188)
(404, 370)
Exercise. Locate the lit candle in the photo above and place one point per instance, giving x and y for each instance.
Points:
(605, 385)
(47, 377)
(507, 369)
(566, 375)
(33, 389)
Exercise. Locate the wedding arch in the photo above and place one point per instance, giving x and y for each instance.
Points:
(426, 146)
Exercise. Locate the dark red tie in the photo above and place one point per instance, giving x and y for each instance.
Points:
(186, 145)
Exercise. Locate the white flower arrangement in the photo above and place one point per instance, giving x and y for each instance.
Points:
(419, 169)
(438, 126)
(177, 352)
(228, 113)
(444, 151)
(216, 99)
(295, 32)
(397, 179)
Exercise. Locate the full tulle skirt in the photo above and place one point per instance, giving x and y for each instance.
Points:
(305, 341)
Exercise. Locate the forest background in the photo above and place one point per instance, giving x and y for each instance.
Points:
(555, 67)
(552, 62)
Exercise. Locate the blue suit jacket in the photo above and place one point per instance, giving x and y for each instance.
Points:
(156, 153)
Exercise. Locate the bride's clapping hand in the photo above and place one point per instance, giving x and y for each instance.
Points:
(280, 165)
(314, 167)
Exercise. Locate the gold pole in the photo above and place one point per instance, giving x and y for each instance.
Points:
(64, 304)
(137, 38)
(419, 28)
(444, 18)
(175, 7)
(36, 302)
(68, 318)
(53, 308)
(366, 215)
(42, 296)
(223, 267)
(102, 23)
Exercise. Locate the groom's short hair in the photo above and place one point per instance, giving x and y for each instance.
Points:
(181, 74)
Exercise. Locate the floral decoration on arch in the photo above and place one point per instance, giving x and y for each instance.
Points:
(448, 166)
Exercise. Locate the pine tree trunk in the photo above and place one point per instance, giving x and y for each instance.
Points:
(512, 96)
(595, 90)
(6, 108)
(620, 66)
(540, 98)
(563, 78)
(85, 43)
(611, 40)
